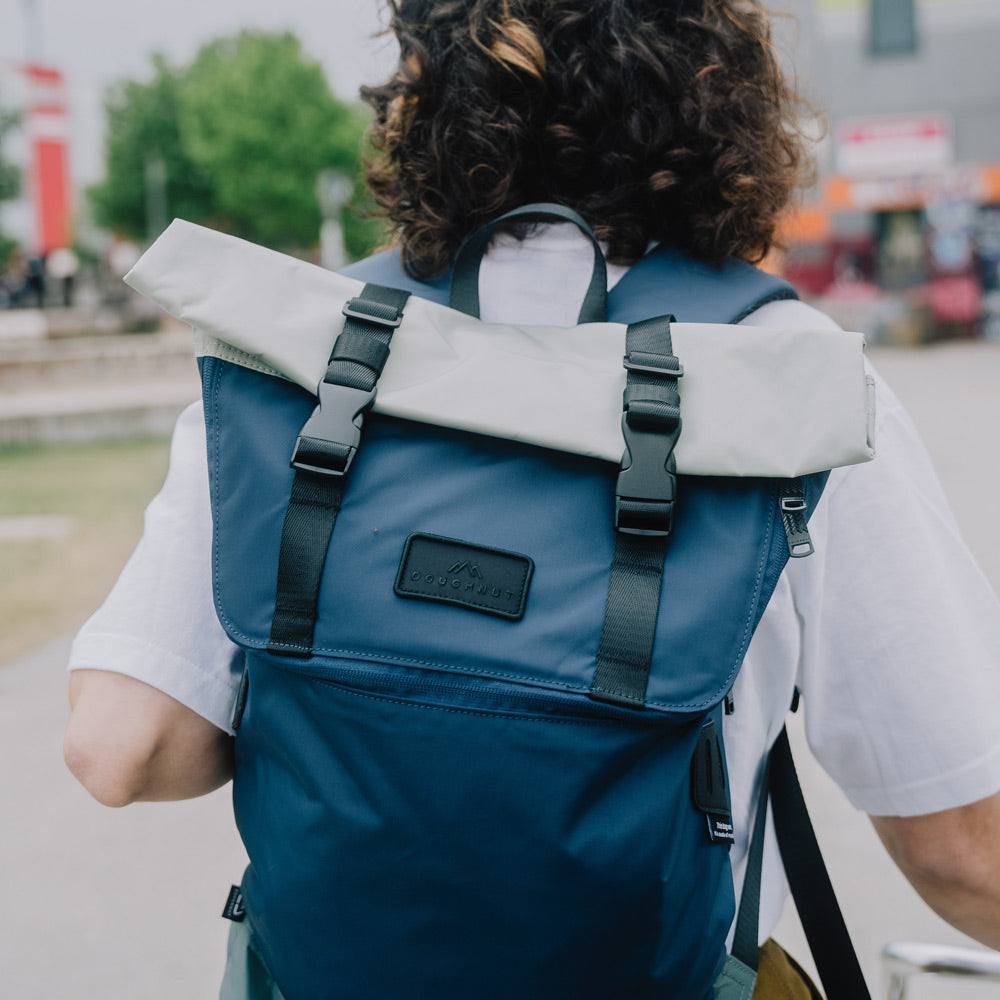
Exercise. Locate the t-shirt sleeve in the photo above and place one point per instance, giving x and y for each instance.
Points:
(900, 657)
(159, 624)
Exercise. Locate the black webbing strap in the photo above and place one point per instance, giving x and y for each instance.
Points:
(815, 899)
(644, 505)
(324, 451)
(747, 930)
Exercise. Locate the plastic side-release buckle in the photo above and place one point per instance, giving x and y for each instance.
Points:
(647, 483)
(329, 439)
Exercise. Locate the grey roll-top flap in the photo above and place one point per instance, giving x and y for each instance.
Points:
(756, 401)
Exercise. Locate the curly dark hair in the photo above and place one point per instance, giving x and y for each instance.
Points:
(655, 119)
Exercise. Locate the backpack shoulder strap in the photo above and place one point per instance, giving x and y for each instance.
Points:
(386, 268)
(693, 291)
(664, 281)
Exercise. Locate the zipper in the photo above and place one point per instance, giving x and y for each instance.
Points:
(792, 503)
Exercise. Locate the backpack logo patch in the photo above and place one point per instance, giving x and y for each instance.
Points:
(475, 577)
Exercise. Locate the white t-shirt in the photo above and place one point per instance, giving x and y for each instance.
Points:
(889, 630)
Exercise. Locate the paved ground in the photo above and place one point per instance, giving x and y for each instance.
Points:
(123, 905)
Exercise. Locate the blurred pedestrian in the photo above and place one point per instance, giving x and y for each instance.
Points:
(35, 283)
(13, 278)
(62, 266)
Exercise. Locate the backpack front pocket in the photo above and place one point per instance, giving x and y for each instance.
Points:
(417, 834)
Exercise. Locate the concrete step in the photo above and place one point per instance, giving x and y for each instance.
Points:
(37, 324)
(83, 361)
(147, 408)
(98, 386)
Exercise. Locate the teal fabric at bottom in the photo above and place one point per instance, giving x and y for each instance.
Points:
(246, 977)
(735, 982)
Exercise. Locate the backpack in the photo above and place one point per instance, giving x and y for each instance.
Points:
(479, 745)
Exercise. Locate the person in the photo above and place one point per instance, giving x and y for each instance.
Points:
(14, 279)
(62, 266)
(36, 284)
(659, 123)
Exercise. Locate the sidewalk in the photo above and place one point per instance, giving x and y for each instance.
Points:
(96, 903)
(151, 930)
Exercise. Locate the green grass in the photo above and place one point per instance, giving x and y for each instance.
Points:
(49, 586)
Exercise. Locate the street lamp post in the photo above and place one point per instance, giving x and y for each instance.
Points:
(154, 176)
(333, 191)
(34, 37)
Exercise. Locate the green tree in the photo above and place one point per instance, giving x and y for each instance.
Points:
(10, 178)
(259, 119)
(240, 135)
(142, 128)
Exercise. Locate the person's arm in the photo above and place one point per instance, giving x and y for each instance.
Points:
(153, 675)
(900, 673)
(128, 742)
(952, 859)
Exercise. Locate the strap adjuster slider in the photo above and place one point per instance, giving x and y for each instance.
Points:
(373, 312)
(655, 520)
(653, 364)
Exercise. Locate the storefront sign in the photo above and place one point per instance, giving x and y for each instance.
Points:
(880, 194)
(894, 146)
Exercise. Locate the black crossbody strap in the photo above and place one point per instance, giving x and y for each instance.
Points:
(644, 510)
(747, 930)
(815, 900)
(324, 451)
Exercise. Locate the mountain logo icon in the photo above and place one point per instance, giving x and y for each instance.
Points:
(465, 565)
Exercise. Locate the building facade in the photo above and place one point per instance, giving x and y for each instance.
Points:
(908, 195)
(40, 218)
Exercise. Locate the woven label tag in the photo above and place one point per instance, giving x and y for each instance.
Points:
(234, 908)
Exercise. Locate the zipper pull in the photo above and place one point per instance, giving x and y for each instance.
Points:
(241, 699)
(793, 516)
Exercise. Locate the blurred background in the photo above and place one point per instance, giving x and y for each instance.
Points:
(117, 116)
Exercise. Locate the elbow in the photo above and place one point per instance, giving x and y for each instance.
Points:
(114, 774)
(945, 867)
(952, 859)
(952, 852)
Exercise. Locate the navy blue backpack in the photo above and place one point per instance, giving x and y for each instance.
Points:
(479, 747)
